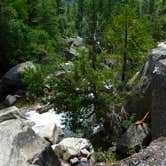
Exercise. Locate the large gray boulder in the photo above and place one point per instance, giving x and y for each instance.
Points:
(12, 79)
(74, 150)
(151, 80)
(20, 146)
(153, 155)
(134, 137)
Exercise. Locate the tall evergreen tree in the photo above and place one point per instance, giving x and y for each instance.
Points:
(129, 40)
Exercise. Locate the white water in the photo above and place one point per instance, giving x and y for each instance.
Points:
(44, 119)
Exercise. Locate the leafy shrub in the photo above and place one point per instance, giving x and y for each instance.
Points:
(104, 156)
(34, 79)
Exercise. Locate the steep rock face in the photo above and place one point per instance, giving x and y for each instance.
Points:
(158, 86)
(154, 154)
(152, 81)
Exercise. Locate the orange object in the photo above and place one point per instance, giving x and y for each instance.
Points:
(145, 119)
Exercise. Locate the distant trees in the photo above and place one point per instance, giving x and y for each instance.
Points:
(29, 30)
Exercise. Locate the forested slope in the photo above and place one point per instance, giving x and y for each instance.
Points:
(85, 51)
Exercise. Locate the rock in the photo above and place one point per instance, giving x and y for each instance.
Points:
(83, 159)
(154, 154)
(63, 163)
(100, 164)
(71, 147)
(151, 80)
(12, 79)
(20, 146)
(73, 51)
(74, 160)
(108, 62)
(135, 136)
(10, 100)
(85, 152)
(78, 41)
(10, 113)
(83, 164)
(67, 65)
(49, 132)
(44, 109)
(76, 44)
(69, 153)
(151, 68)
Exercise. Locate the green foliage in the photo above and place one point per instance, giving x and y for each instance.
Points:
(2, 105)
(104, 156)
(24, 102)
(129, 40)
(39, 78)
(129, 121)
(34, 78)
(136, 149)
(81, 91)
(29, 31)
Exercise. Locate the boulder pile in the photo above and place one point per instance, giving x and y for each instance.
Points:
(20, 146)
(26, 142)
(74, 150)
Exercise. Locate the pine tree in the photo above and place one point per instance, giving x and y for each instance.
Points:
(129, 41)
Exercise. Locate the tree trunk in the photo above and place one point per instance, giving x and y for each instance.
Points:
(124, 66)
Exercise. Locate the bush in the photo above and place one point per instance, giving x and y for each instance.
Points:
(34, 79)
(104, 156)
